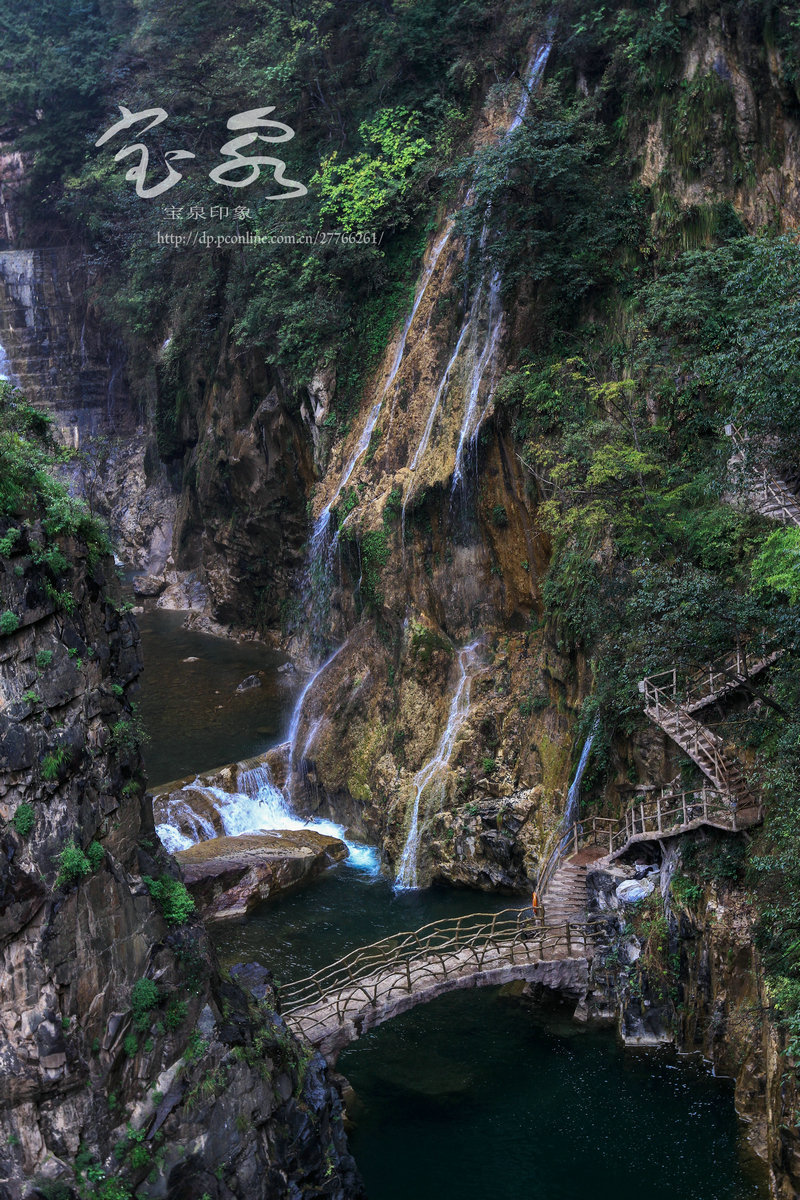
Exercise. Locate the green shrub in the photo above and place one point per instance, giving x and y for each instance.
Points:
(73, 865)
(9, 623)
(499, 516)
(53, 762)
(172, 898)
(685, 890)
(144, 998)
(175, 1014)
(96, 856)
(489, 765)
(8, 542)
(44, 659)
(130, 1045)
(23, 819)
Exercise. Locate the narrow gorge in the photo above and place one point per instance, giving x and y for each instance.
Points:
(399, 640)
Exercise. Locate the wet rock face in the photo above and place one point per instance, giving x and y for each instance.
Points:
(59, 353)
(242, 518)
(113, 1017)
(700, 987)
(229, 876)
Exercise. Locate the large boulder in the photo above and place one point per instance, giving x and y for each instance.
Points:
(229, 876)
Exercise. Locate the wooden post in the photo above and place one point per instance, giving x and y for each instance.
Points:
(658, 812)
(641, 810)
(575, 842)
(705, 803)
(685, 813)
(569, 943)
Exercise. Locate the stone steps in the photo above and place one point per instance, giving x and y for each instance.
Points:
(565, 897)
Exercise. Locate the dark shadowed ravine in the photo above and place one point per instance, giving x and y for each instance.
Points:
(474, 1095)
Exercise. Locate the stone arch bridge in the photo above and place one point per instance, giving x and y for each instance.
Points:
(370, 985)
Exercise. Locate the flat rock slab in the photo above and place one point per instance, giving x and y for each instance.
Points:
(229, 876)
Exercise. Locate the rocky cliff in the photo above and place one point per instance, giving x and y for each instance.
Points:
(681, 968)
(128, 1061)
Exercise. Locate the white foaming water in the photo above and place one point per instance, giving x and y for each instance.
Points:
(572, 810)
(266, 809)
(6, 373)
(252, 779)
(408, 870)
(258, 805)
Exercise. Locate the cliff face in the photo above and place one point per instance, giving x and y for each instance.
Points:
(56, 348)
(682, 968)
(126, 1059)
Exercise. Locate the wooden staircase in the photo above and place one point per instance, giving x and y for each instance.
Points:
(704, 748)
(773, 498)
(671, 705)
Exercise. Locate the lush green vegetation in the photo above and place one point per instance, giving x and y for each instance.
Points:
(74, 865)
(36, 509)
(172, 898)
(379, 95)
(24, 819)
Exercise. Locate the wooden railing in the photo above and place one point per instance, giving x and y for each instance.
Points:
(405, 961)
(410, 962)
(772, 498)
(700, 743)
(704, 685)
(664, 813)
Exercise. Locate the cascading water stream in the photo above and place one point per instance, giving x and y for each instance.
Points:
(258, 805)
(572, 809)
(408, 870)
(322, 544)
(441, 392)
(294, 724)
(6, 374)
(484, 312)
(487, 300)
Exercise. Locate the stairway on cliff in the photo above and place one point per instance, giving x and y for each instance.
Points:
(565, 899)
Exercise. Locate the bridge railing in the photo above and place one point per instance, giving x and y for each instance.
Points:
(657, 813)
(449, 945)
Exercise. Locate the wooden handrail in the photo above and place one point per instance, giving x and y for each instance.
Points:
(436, 940)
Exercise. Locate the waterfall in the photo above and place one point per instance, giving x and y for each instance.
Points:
(572, 809)
(482, 326)
(323, 542)
(408, 873)
(481, 361)
(6, 374)
(294, 724)
(441, 392)
(257, 805)
(486, 304)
